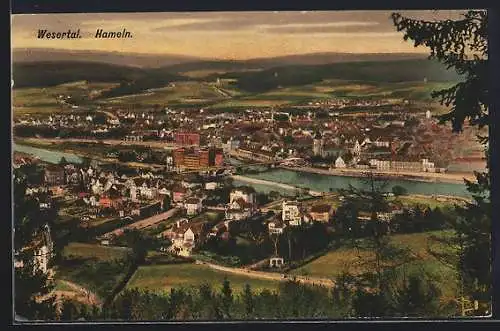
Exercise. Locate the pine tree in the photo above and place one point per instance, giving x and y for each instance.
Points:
(226, 298)
(248, 301)
(69, 311)
(463, 45)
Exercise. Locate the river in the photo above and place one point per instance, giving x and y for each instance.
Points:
(322, 183)
(312, 181)
(46, 155)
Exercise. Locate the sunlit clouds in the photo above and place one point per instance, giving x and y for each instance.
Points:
(226, 35)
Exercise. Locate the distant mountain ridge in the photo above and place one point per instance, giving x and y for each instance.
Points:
(183, 63)
(29, 55)
(135, 79)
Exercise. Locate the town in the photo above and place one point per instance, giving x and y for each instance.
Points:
(188, 198)
(313, 182)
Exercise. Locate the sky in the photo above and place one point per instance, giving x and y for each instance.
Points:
(227, 35)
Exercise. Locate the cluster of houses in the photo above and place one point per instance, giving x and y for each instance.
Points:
(293, 213)
(186, 235)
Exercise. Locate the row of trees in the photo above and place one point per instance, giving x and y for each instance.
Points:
(414, 296)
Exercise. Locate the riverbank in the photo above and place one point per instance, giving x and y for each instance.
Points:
(270, 183)
(428, 177)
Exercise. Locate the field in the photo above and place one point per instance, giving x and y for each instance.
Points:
(240, 103)
(98, 268)
(165, 277)
(93, 251)
(34, 100)
(177, 92)
(350, 259)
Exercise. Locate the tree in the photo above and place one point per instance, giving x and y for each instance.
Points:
(463, 45)
(248, 301)
(69, 311)
(30, 283)
(262, 199)
(139, 244)
(418, 296)
(288, 140)
(207, 303)
(274, 195)
(226, 298)
(167, 202)
(63, 161)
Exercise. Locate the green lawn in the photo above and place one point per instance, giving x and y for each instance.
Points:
(94, 251)
(165, 277)
(350, 259)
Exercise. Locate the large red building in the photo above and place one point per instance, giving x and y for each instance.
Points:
(187, 138)
(201, 158)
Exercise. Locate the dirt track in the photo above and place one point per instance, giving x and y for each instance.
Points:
(271, 275)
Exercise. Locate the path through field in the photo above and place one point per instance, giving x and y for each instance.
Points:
(271, 275)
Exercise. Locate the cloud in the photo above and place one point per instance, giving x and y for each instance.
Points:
(333, 27)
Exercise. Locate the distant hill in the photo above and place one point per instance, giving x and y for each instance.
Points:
(26, 55)
(131, 79)
(301, 59)
(182, 63)
(134, 79)
(369, 71)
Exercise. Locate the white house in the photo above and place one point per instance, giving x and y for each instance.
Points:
(244, 192)
(193, 206)
(184, 239)
(188, 235)
(428, 166)
(291, 213)
(339, 163)
(238, 210)
(210, 186)
(242, 203)
(275, 227)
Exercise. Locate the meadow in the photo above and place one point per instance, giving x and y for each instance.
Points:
(94, 251)
(98, 268)
(359, 260)
(164, 277)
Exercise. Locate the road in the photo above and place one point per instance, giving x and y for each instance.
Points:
(270, 275)
(144, 223)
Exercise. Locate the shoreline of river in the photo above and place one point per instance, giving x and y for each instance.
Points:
(251, 180)
(426, 177)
